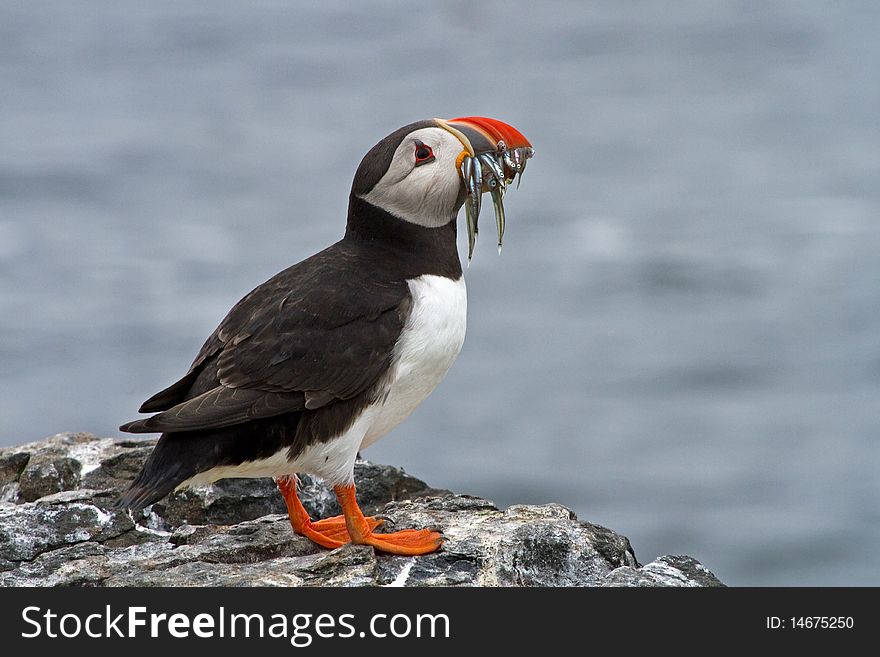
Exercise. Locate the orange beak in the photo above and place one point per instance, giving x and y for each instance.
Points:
(492, 130)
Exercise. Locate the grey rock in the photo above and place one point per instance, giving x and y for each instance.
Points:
(12, 464)
(350, 565)
(58, 528)
(615, 548)
(44, 476)
(201, 573)
(122, 464)
(225, 502)
(31, 528)
(62, 565)
(521, 546)
(665, 571)
(50, 466)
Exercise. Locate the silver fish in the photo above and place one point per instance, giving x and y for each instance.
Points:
(492, 172)
(498, 204)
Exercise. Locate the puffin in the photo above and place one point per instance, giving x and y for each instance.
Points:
(331, 354)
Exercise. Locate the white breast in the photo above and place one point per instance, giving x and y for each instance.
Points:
(427, 347)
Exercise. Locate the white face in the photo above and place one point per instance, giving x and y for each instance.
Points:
(420, 189)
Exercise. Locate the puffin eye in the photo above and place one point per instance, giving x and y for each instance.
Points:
(424, 154)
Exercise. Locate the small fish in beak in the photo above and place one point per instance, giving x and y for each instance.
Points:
(497, 154)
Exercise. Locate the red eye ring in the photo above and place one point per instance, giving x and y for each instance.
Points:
(423, 154)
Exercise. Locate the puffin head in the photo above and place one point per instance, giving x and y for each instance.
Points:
(424, 172)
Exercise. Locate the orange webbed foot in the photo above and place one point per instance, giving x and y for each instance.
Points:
(406, 542)
(330, 533)
(328, 539)
(336, 528)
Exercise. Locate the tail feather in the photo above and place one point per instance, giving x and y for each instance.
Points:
(143, 493)
(163, 471)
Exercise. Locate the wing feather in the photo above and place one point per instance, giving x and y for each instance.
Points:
(314, 334)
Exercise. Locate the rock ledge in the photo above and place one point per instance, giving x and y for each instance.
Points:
(58, 528)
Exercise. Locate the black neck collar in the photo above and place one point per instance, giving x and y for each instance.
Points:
(421, 250)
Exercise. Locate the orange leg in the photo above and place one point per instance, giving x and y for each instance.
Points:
(329, 533)
(408, 541)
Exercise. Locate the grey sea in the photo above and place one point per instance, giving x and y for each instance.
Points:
(681, 339)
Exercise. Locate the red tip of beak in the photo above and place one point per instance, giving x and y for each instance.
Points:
(495, 130)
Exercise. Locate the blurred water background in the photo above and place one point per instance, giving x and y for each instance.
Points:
(681, 340)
